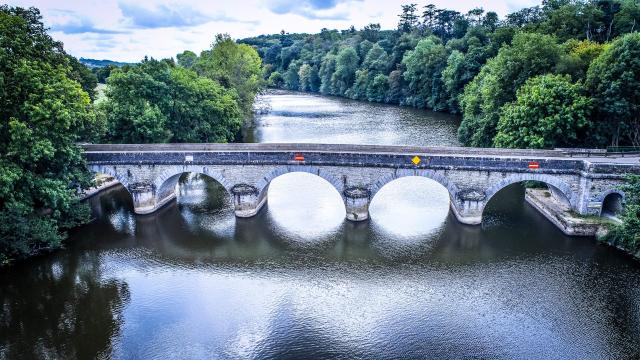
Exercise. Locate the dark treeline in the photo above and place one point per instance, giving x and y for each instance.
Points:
(562, 74)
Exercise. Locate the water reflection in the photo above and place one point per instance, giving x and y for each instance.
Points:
(409, 213)
(297, 281)
(52, 306)
(304, 208)
(296, 117)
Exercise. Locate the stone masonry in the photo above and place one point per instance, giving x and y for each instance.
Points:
(471, 176)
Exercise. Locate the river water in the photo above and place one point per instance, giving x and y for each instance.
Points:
(298, 281)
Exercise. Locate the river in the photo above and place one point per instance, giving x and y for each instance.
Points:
(298, 281)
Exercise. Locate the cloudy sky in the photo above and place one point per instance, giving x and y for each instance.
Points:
(127, 30)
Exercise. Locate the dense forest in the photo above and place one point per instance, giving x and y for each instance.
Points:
(562, 74)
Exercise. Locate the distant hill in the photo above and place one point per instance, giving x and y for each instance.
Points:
(93, 63)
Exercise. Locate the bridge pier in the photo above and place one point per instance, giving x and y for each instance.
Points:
(247, 200)
(468, 205)
(145, 200)
(469, 215)
(356, 201)
(471, 176)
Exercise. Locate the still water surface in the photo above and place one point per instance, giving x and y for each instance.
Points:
(298, 281)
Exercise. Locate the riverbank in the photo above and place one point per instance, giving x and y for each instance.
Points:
(102, 182)
(561, 215)
(571, 223)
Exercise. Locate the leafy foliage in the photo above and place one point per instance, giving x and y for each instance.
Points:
(473, 63)
(423, 73)
(234, 66)
(158, 101)
(44, 113)
(614, 82)
(627, 235)
(549, 112)
(496, 84)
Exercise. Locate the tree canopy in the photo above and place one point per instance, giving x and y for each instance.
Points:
(158, 101)
(614, 82)
(472, 63)
(234, 66)
(44, 113)
(549, 111)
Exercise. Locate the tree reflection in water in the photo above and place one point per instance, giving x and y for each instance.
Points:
(61, 308)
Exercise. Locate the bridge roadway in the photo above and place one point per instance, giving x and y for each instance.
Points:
(582, 179)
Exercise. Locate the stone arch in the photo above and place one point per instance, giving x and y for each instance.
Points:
(399, 173)
(111, 171)
(165, 183)
(263, 184)
(608, 195)
(550, 180)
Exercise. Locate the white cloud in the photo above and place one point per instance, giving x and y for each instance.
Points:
(131, 29)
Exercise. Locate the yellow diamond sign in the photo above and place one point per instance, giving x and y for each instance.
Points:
(416, 160)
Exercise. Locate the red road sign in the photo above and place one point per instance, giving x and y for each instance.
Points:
(534, 165)
(298, 157)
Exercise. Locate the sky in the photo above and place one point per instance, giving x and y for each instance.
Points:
(127, 30)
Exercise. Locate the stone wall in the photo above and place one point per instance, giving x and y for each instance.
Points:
(471, 176)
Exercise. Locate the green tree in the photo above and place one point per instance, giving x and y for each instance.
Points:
(423, 73)
(44, 113)
(234, 66)
(496, 84)
(327, 68)
(371, 32)
(613, 80)
(363, 48)
(83, 75)
(377, 89)
(581, 55)
(376, 59)
(291, 77)
(187, 59)
(359, 89)
(408, 19)
(396, 87)
(627, 235)
(131, 107)
(275, 80)
(157, 102)
(102, 73)
(201, 110)
(304, 77)
(549, 112)
(467, 57)
(346, 66)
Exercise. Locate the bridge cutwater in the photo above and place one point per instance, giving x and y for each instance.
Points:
(150, 172)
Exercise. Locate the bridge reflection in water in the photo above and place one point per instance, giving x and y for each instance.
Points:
(471, 176)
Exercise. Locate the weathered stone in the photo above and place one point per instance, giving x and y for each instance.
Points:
(357, 192)
(472, 195)
(244, 189)
(471, 176)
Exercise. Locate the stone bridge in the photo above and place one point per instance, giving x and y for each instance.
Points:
(472, 176)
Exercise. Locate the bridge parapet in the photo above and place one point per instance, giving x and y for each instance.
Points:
(357, 172)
